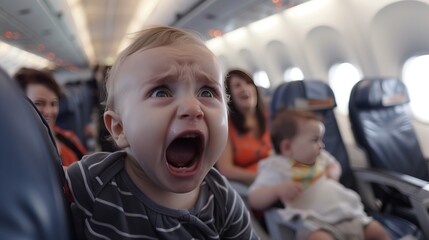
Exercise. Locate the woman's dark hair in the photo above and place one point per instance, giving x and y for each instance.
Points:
(27, 76)
(235, 115)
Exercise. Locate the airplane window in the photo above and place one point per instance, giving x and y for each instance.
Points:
(415, 75)
(293, 74)
(342, 78)
(261, 79)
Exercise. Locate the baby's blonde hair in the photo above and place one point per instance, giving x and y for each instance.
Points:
(151, 37)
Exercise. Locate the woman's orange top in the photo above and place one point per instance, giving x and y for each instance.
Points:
(71, 150)
(247, 149)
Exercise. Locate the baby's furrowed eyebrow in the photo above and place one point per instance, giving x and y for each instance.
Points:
(207, 78)
(167, 77)
(163, 78)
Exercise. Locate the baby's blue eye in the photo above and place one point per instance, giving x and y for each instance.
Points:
(206, 92)
(161, 92)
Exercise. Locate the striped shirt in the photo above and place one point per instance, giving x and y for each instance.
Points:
(108, 205)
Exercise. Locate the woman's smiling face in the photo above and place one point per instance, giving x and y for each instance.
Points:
(45, 100)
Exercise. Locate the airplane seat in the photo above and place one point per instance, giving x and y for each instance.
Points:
(32, 205)
(317, 96)
(382, 125)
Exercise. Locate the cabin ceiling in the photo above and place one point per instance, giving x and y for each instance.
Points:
(46, 26)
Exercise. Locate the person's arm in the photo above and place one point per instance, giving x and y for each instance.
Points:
(333, 170)
(262, 197)
(226, 166)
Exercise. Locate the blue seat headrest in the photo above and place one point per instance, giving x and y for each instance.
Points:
(304, 94)
(380, 93)
(319, 96)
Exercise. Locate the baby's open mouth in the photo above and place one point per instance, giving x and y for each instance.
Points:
(184, 153)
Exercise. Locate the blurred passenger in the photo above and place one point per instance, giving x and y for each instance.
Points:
(249, 139)
(42, 89)
(103, 140)
(90, 130)
(305, 178)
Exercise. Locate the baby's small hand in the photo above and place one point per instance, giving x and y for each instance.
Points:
(289, 191)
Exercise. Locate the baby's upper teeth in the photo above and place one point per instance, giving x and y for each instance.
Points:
(190, 136)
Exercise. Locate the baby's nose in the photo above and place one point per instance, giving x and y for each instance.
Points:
(190, 108)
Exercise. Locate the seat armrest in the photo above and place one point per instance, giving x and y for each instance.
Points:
(415, 189)
(278, 227)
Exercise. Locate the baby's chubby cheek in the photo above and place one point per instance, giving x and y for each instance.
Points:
(219, 135)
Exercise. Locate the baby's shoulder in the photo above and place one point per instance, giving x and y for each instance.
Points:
(218, 185)
(96, 167)
(87, 177)
(215, 179)
(225, 198)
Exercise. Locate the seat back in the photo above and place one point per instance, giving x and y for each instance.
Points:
(32, 205)
(317, 96)
(382, 125)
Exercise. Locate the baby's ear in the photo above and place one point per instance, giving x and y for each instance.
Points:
(285, 146)
(114, 126)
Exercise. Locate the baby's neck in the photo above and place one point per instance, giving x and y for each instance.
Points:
(162, 197)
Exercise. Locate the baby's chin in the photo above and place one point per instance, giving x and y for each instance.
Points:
(197, 180)
(186, 186)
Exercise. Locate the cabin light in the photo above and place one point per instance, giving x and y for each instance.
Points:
(215, 32)
(12, 35)
(109, 61)
(277, 3)
(81, 26)
(12, 58)
(142, 13)
(8, 35)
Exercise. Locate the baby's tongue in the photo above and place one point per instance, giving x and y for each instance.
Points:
(181, 152)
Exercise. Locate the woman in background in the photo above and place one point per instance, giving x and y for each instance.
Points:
(249, 139)
(42, 89)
